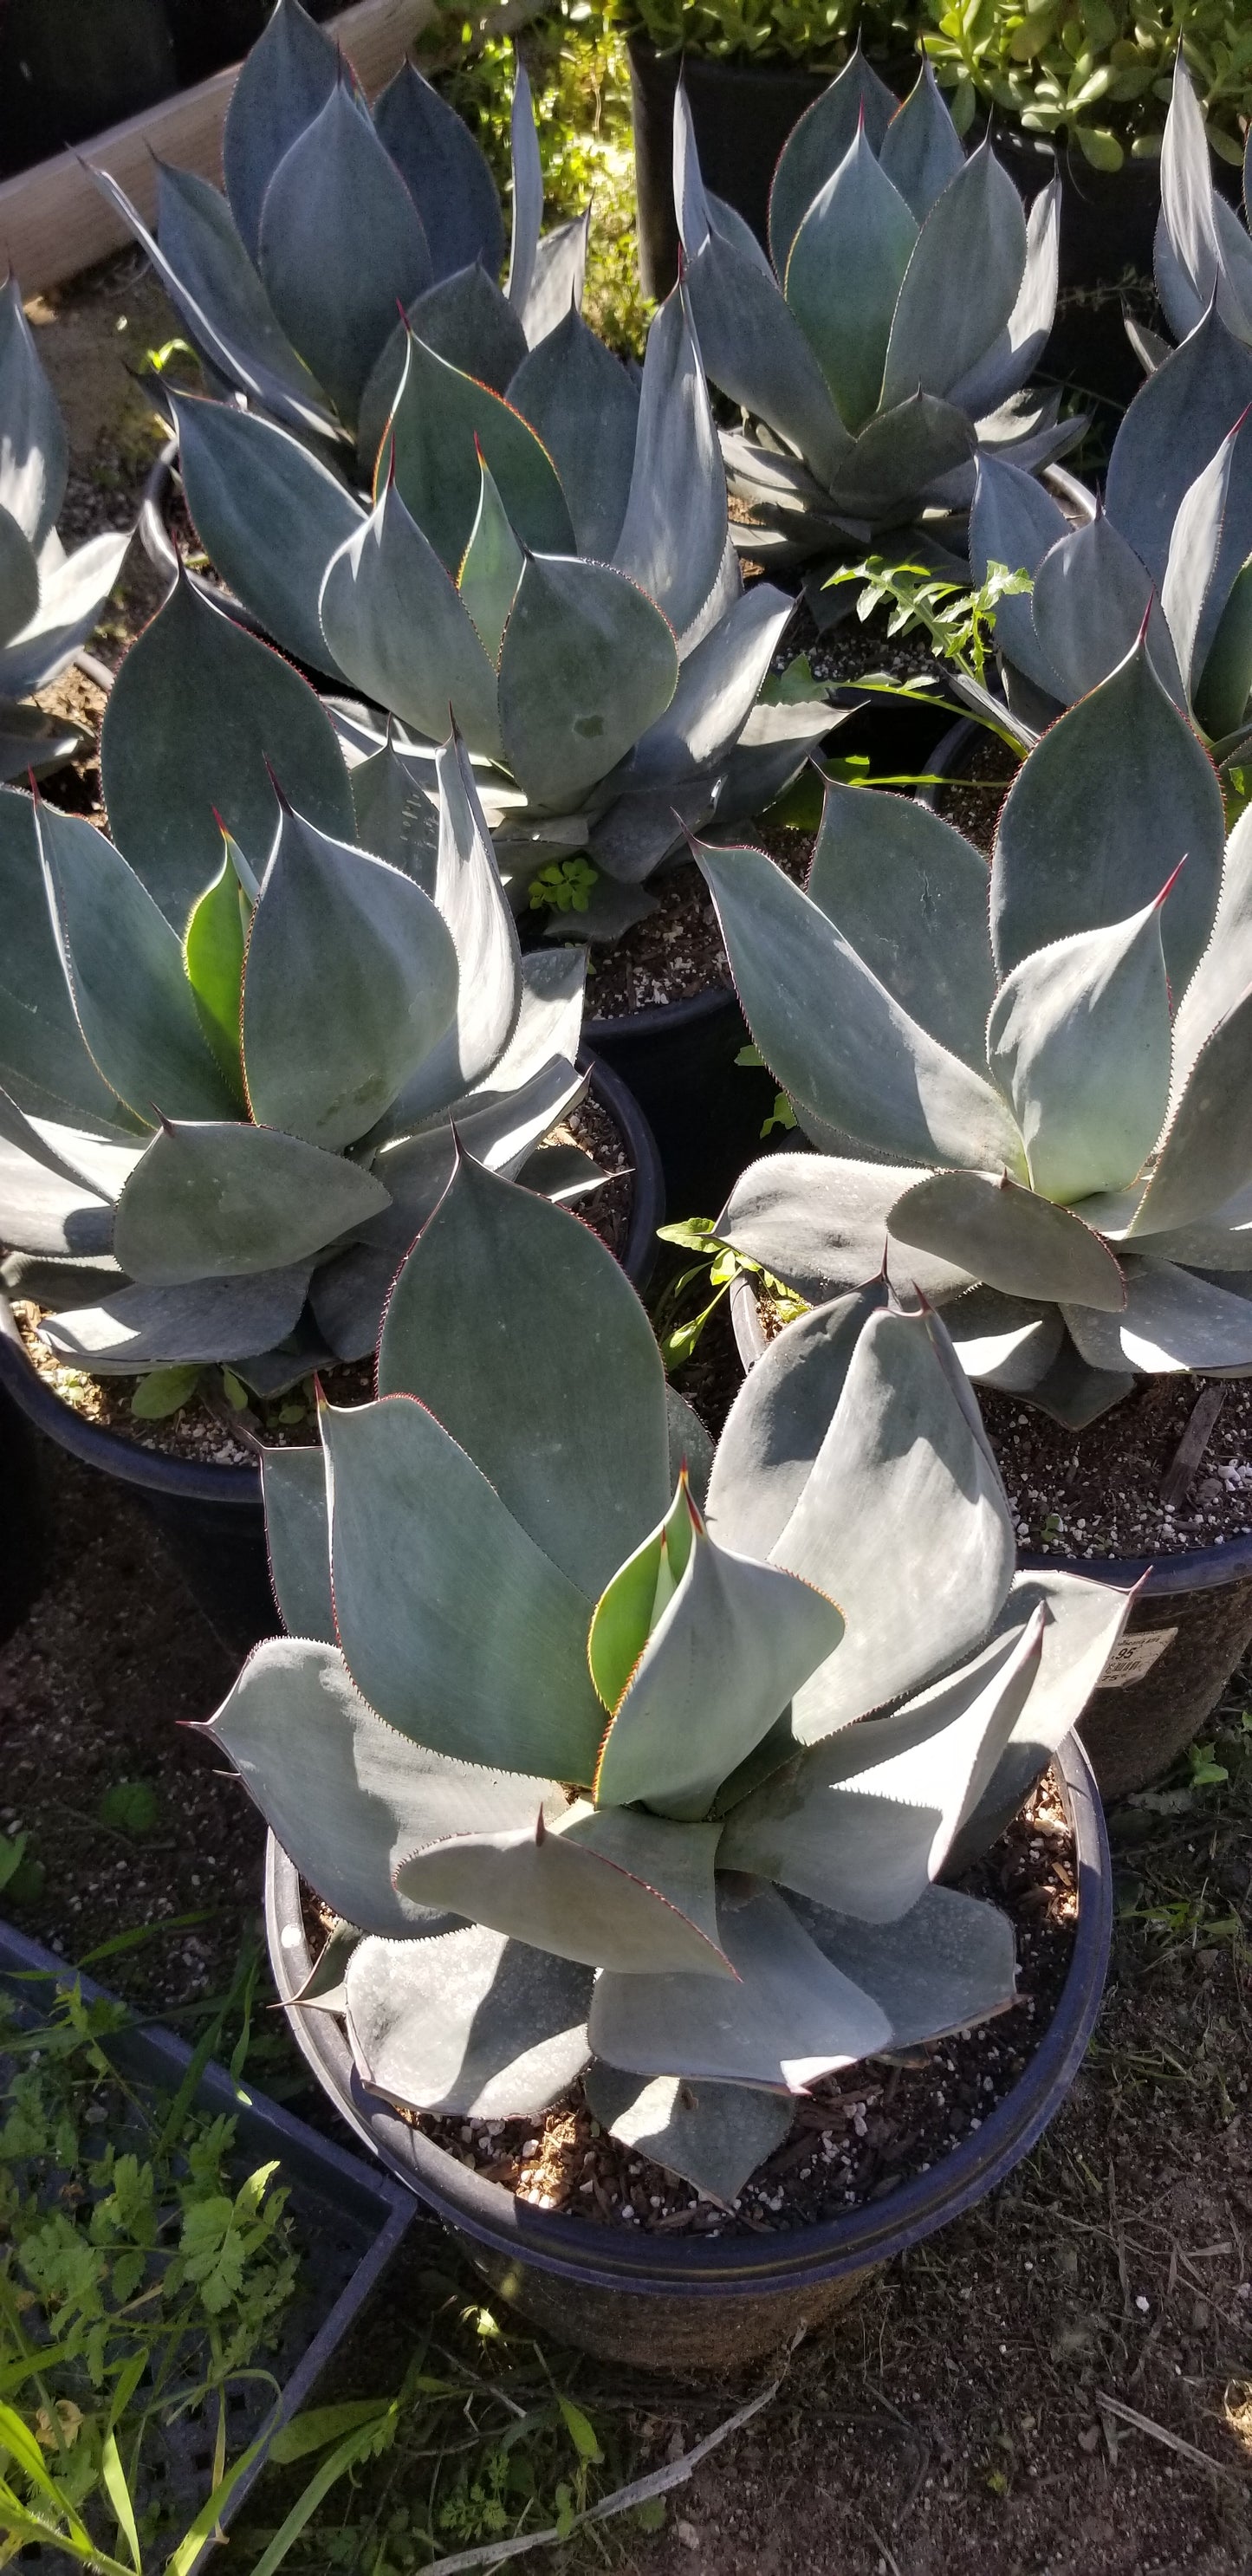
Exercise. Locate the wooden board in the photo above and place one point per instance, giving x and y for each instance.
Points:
(54, 220)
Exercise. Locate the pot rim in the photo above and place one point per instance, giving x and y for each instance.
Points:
(608, 2259)
(1195, 1569)
(204, 1481)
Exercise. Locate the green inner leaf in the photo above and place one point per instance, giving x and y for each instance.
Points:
(213, 946)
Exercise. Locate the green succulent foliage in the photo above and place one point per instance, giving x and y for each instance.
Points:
(226, 1084)
(1095, 73)
(892, 338)
(49, 601)
(1048, 1065)
(627, 1826)
(821, 36)
(1173, 542)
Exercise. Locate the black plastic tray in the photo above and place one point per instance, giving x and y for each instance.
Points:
(349, 2217)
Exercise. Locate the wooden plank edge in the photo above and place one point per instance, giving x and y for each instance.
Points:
(54, 221)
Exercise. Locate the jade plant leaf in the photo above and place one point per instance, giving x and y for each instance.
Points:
(469, 2022)
(578, 1455)
(350, 983)
(199, 715)
(494, 1669)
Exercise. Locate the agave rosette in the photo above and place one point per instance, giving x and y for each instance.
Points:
(1047, 1067)
(334, 214)
(49, 601)
(1167, 549)
(614, 1817)
(556, 566)
(890, 342)
(230, 1059)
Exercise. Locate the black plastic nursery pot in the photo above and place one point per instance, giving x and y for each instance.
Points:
(71, 68)
(208, 34)
(705, 1110)
(23, 1515)
(211, 1517)
(349, 2217)
(742, 113)
(1188, 1627)
(710, 2303)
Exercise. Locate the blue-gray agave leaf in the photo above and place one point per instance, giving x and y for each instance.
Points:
(49, 601)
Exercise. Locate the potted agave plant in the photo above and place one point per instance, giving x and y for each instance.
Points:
(49, 601)
(735, 1890)
(1032, 1082)
(231, 1059)
(509, 522)
(888, 348)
